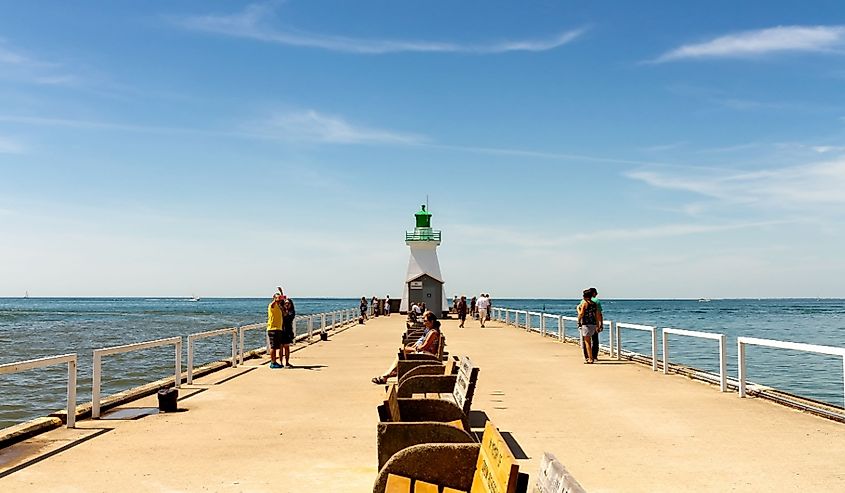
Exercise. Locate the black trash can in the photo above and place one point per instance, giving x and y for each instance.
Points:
(167, 400)
(324, 336)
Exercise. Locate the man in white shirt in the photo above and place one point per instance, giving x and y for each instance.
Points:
(482, 305)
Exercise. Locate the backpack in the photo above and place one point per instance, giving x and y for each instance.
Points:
(588, 315)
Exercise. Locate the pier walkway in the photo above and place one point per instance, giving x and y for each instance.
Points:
(617, 426)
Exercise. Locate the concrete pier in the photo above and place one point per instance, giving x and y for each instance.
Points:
(617, 426)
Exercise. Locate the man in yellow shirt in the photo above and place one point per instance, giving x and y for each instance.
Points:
(274, 328)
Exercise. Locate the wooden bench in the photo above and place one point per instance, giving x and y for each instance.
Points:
(460, 392)
(554, 478)
(441, 414)
(407, 422)
(412, 368)
(488, 467)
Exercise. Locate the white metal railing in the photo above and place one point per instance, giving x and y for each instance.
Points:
(646, 328)
(797, 346)
(233, 331)
(512, 317)
(563, 320)
(241, 345)
(723, 355)
(71, 361)
(97, 365)
(319, 322)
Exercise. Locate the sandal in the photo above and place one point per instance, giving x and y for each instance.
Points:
(379, 380)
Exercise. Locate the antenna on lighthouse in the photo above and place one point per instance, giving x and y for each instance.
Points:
(426, 203)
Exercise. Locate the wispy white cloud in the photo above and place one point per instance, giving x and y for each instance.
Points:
(17, 65)
(816, 185)
(762, 42)
(312, 126)
(9, 145)
(471, 233)
(555, 156)
(664, 147)
(302, 126)
(252, 23)
(668, 230)
(97, 124)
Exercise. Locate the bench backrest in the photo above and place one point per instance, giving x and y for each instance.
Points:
(449, 366)
(554, 478)
(441, 344)
(401, 484)
(496, 470)
(393, 403)
(465, 384)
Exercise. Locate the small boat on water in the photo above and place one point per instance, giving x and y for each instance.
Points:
(704, 300)
(194, 298)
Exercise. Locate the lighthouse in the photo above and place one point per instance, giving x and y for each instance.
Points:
(424, 282)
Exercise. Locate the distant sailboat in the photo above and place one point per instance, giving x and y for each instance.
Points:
(26, 295)
(194, 298)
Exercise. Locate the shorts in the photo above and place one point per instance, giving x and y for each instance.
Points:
(587, 330)
(275, 338)
(287, 336)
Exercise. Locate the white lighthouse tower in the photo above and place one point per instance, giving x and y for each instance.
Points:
(424, 282)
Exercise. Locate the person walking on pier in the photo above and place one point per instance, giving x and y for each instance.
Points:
(595, 338)
(363, 309)
(288, 315)
(461, 308)
(472, 307)
(427, 343)
(481, 305)
(589, 318)
(387, 306)
(274, 328)
(374, 305)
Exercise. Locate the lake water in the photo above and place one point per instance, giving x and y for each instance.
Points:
(39, 327)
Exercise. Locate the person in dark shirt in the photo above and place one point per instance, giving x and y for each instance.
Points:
(461, 308)
(288, 315)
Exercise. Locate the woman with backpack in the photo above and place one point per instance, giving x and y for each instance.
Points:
(589, 320)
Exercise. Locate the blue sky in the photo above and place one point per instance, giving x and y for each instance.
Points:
(658, 149)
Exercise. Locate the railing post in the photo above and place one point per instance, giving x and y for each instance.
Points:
(322, 322)
(190, 360)
(654, 349)
(95, 385)
(71, 393)
(178, 376)
(613, 329)
(666, 353)
(234, 348)
(740, 352)
(241, 337)
(723, 363)
(560, 328)
(310, 327)
(542, 324)
(618, 344)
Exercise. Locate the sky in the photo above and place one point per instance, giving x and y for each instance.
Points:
(656, 149)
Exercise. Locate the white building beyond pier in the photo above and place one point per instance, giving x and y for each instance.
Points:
(424, 281)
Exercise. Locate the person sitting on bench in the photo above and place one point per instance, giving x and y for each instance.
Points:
(427, 343)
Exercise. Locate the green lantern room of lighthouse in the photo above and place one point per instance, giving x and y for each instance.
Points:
(423, 231)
